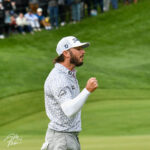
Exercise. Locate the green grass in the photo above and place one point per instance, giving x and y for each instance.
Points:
(116, 116)
(127, 115)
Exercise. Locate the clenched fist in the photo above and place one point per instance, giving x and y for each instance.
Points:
(91, 84)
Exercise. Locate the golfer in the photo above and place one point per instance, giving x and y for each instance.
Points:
(63, 99)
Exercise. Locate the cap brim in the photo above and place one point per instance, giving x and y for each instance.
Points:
(83, 45)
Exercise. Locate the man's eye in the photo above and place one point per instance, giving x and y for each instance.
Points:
(79, 49)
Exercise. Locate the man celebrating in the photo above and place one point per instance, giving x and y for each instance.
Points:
(63, 99)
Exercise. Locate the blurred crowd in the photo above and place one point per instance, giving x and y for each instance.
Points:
(30, 16)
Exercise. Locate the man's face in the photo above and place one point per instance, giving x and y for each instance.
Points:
(39, 13)
(76, 56)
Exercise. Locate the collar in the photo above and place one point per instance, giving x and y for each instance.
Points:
(65, 70)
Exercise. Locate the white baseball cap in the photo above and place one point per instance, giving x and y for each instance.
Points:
(69, 42)
(39, 10)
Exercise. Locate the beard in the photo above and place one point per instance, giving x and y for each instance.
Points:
(74, 60)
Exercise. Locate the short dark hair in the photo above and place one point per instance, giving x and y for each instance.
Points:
(59, 59)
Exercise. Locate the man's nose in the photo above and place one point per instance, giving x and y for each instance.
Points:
(83, 51)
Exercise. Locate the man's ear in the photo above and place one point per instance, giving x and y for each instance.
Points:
(66, 54)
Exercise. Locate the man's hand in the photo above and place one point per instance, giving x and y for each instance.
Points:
(91, 84)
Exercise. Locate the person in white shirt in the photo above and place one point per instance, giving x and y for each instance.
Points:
(63, 99)
(22, 24)
(32, 19)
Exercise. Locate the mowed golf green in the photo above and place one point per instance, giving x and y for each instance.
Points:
(116, 116)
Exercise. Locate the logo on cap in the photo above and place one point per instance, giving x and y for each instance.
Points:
(75, 40)
(66, 45)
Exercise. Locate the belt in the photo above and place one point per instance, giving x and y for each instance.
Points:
(74, 133)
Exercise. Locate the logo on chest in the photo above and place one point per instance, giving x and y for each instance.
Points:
(73, 87)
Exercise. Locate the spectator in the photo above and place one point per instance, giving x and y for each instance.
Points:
(7, 5)
(42, 20)
(82, 9)
(96, 3)
(106, 5)
(23, 25)
(2, 18)
(62, 12)
(13, 4)
(88, 3)
(32, 19)
(12, 24)
(33, 4)
(10, 6)
(53, 10)
(7, 22)
(114, 4)
(68, 4)
(76, 11)
(101, 3)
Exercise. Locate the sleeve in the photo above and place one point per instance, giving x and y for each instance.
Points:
(72, 106)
